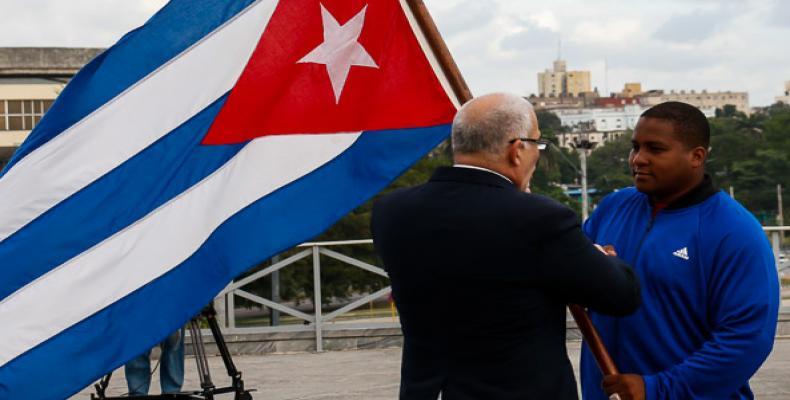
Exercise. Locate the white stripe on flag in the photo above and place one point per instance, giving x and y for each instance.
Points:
(135, 119)
(157, 243)
(426, 48)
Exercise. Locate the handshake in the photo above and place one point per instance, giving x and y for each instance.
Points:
(617, 386)
(475, 228)
(607, 249)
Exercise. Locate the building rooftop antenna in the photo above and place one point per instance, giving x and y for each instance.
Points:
(559, 48)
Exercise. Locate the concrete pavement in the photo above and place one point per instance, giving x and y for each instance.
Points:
(374, 375)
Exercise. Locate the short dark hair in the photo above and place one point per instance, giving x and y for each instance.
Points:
(691, 125)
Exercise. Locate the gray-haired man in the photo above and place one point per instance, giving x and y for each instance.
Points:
(482, 270)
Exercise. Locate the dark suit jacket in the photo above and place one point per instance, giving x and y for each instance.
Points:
(481, 274)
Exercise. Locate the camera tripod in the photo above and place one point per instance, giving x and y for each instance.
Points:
(208, 390)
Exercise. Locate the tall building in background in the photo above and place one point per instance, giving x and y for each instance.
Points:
(786, 98)
(559, 82)
(30, 80)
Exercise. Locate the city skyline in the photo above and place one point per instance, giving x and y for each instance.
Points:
(503, 44)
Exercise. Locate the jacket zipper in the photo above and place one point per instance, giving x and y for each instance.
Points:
(644, 236)
(636, 261)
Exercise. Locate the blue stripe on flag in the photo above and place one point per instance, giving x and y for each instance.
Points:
(176, 27)
(82, 353)
(115, 201)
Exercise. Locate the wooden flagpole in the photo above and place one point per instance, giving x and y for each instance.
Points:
(463, 94)
(593, 340)
(434, 38)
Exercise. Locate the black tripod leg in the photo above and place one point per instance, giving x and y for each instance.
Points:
(238, 383)
(101, 387)
(221, 345)
(200, 358)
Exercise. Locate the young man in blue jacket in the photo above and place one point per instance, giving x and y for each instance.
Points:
(710, 292)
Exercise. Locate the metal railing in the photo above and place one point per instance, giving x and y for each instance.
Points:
(776, 235)
(318, 321)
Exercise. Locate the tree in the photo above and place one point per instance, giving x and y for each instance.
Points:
(728, 111)
(548, 121)
(752, 154)
(554, 164)
(607, 166)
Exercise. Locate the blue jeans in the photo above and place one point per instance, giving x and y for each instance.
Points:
(171, 368)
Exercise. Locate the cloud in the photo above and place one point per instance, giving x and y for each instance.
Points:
(612, 32)
(76, 23)
(466, 16)
(545, 19)
(652, 56)
(689, 28)
(780, 14)
(530, 36)
(503, 44)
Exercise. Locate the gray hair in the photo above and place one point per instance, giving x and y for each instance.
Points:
(487, 127)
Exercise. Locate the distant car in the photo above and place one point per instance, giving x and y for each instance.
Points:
(782, 258)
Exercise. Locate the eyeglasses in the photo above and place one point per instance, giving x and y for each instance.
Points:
(541, 143)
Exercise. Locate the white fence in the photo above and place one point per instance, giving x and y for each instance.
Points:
(319, 322)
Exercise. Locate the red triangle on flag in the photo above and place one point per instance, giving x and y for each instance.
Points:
(286, 87)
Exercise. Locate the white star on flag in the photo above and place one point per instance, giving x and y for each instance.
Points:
(341, 49)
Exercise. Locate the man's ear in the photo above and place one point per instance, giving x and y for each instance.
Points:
(513, 153)
(698, 157)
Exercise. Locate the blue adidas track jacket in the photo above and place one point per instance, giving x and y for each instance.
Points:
(710, 297)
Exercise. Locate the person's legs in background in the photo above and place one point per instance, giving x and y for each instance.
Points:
(172, 369)
(138, 374)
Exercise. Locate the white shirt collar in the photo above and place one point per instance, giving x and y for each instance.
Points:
(481, 169)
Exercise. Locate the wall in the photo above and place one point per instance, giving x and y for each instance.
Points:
(23, 91)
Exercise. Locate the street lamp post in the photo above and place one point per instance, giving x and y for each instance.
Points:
(583, 144)
(585, 197)
(780, 217)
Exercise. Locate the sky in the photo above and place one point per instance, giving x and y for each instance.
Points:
(501, 45)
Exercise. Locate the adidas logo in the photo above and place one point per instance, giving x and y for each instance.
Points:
(682, 253)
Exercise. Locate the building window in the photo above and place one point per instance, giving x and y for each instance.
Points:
(22, 115)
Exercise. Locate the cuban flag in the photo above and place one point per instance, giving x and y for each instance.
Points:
(216, 135)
